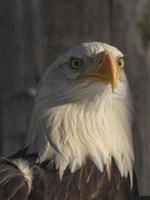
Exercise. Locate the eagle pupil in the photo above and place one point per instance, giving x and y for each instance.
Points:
(76, 63)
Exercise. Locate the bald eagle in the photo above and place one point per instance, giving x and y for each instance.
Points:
(79, 144)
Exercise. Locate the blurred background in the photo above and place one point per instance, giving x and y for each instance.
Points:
(35, 32)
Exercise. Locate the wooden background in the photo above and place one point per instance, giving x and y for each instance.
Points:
(34, 32)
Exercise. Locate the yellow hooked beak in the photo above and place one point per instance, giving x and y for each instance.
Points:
(107, 68)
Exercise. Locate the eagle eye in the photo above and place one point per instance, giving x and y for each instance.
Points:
(121, 62)
(76, 63)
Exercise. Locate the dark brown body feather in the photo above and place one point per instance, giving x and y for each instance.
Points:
(12, 183)
(87, 183)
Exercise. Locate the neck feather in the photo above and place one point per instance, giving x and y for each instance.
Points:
(98, 129)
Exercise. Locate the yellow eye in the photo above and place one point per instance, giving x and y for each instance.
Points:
(121, 62)
(76, 63)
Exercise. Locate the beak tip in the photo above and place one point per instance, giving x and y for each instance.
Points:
(113, 86)
(113, 89)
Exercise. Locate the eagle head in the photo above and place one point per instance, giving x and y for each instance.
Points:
(83, 110)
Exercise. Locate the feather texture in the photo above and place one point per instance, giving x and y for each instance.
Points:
(13, 184)
(86, 183)
(99, 129)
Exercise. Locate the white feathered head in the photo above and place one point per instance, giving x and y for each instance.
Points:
(83, 110)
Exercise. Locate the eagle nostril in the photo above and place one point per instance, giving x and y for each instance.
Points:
(100, 61)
